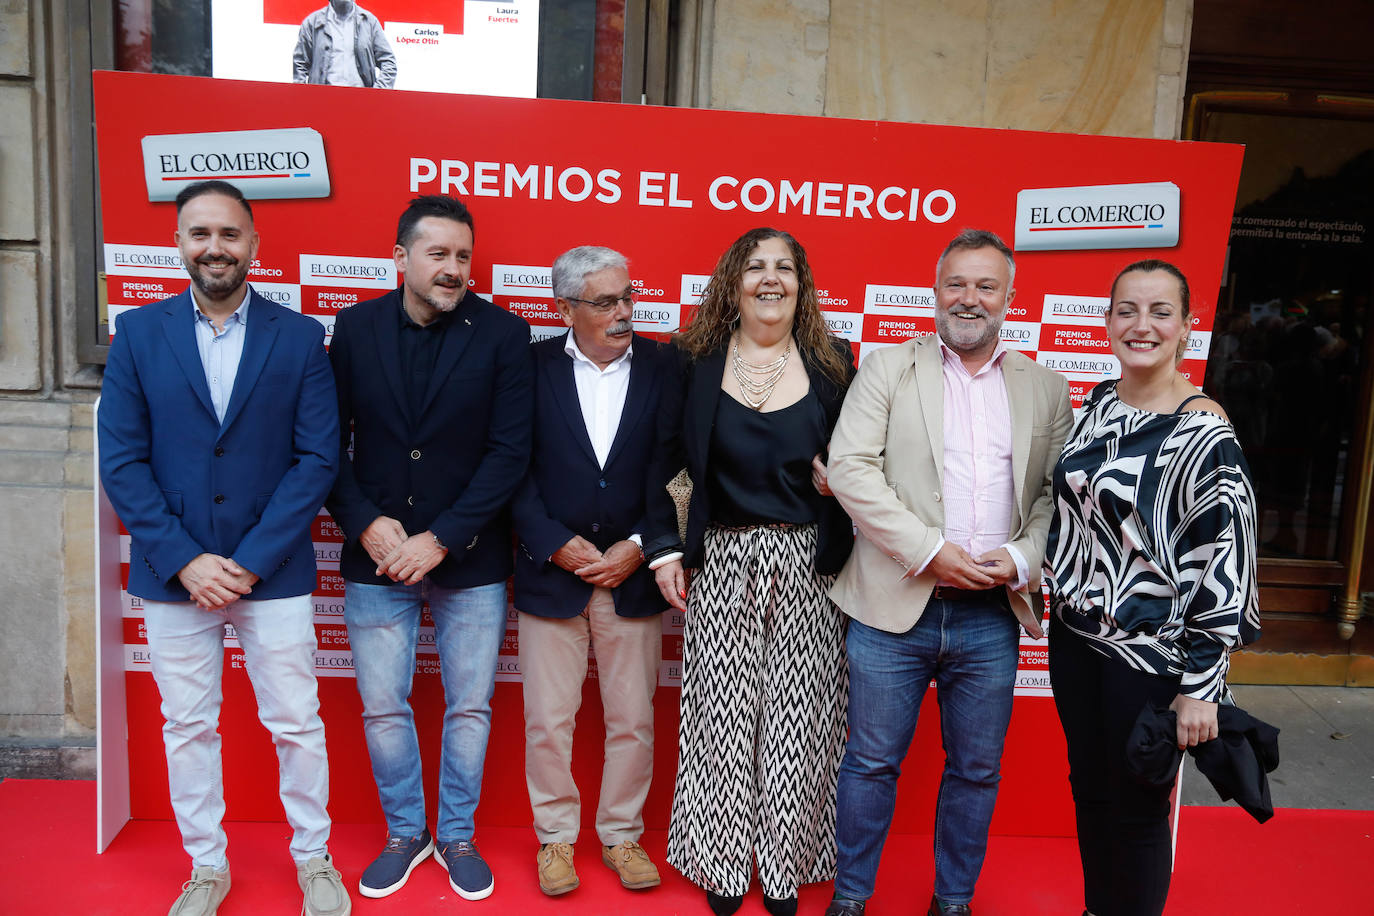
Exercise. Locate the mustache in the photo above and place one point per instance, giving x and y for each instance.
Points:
(215, 259)
(623, 326)
(448, 280)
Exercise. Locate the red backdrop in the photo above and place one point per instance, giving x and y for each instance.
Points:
(541, 176)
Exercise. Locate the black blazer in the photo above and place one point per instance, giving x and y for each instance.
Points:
(455, 469)
(567, 493)
(686, 417)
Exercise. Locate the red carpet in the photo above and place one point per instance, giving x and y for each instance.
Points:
(1298, 863)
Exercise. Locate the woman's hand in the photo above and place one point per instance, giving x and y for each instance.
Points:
(1197, 720)
(820, 477)
(672, 583)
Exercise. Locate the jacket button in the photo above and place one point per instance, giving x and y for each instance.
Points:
(937, 497)
(219, 497)
(415, 454)
(219, 451)
(601, 484)
(595, 527)
(410, 500)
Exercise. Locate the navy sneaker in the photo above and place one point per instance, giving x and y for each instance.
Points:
(468, 873)
(389, 871)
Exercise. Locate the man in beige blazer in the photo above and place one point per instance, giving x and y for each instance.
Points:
(942, 456)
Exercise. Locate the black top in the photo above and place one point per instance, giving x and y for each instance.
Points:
(761, 463)
(420, 345)
(686, 416)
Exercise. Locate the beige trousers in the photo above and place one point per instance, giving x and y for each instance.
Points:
(553, 665)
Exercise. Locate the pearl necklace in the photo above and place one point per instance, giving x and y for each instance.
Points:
(757, 380)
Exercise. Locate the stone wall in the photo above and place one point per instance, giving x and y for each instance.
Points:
(47, 653)
(1080, 66)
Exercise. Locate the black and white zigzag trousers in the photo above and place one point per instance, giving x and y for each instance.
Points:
(765, 690)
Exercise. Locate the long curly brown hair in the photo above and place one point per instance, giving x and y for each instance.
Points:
(717, 315)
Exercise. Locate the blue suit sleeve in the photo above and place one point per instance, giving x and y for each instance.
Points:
(126, 468)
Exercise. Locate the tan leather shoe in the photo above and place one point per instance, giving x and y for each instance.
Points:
(632, 864)
(556, 872)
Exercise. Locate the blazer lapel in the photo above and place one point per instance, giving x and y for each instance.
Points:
(703, 398)
(386, 332)
(563, 384)
(180, 327)
(259, 335)
(456, 339)
(636, 399)
(1021, 405)
(930, 387)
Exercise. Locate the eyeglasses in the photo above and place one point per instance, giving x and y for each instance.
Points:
(606, 303)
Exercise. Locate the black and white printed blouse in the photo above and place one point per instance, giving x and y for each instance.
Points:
(1151, 553)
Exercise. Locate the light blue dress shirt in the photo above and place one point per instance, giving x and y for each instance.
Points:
(221, 351)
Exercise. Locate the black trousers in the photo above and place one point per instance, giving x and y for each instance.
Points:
(1123, 824)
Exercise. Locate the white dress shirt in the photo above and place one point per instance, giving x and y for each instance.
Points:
(601, 394)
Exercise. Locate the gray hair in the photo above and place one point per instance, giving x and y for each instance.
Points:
(972, 239)
(571, 269)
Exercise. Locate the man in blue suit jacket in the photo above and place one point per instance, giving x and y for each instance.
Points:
(579, 573)
(218, 443)
(434, 382)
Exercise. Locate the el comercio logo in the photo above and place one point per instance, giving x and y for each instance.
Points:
(286, 163)
(1144, 215)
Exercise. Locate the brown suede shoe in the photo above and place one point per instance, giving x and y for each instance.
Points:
(632, 864)
(556, 872)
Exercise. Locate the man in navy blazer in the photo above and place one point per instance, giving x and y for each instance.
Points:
(434, 385)
(218, 443)
(579, 573)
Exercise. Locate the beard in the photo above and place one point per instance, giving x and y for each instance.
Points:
(965, 337)
(443, 305)
(216, 287)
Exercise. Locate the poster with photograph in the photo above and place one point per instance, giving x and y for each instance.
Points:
(484, 47)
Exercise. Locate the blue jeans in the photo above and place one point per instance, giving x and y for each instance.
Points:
(383, 624)
(970, 649)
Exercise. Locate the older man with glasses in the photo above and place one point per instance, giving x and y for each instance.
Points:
(580, 578)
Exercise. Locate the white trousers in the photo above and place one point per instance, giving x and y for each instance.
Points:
(278, 639)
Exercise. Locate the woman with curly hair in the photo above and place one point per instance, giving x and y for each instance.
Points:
(764, 685)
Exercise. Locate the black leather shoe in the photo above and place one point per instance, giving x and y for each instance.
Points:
(723, 906)
(780, 906)
(842, 907)
(940, 908)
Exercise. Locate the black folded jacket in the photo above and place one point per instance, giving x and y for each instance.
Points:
(1235, 762)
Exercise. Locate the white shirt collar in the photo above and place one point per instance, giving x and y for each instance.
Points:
(570, 347)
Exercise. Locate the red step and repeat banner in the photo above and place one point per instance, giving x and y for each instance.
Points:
(329, 170)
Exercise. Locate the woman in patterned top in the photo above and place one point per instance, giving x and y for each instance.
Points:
(764, 683)
(1151, 556)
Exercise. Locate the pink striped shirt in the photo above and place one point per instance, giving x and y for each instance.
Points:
(978, 491)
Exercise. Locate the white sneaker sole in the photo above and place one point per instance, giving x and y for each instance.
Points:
(465, 894)
(378, 892)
